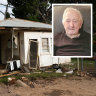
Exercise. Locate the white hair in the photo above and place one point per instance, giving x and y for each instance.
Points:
(71, 9)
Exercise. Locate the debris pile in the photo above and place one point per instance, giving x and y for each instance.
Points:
(23, 82)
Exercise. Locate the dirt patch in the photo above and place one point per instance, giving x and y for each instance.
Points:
(74, 86)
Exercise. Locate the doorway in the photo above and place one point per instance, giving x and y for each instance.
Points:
(33, 53)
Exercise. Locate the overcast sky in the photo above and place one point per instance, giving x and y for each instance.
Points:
(3, 8)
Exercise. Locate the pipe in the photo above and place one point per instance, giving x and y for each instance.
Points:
(82, 64)
(78, 64)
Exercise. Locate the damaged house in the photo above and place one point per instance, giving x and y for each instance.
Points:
(27, 42)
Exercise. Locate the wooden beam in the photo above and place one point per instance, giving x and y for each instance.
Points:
(2, 27)
(9, 74)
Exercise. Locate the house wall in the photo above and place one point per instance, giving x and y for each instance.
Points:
(46, 58)
(38, 36)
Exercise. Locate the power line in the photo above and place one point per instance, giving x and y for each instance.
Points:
(2, 12)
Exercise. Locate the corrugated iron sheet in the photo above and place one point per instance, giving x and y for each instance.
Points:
(14, 22)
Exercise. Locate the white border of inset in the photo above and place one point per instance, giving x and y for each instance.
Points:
(91, 30)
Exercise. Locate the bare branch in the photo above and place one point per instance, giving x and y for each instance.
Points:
(42, 16)
(6, 5)
(2, 12)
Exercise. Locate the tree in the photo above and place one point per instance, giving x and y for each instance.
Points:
(36, 10)
(6, 13)
(41, 10)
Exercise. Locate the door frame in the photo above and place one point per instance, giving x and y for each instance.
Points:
(37, 63)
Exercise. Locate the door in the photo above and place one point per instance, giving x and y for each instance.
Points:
(33, 53)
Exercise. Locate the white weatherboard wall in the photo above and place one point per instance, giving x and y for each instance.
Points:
(45, 59)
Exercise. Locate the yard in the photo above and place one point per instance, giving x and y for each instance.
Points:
(52, 84)
(72, 86)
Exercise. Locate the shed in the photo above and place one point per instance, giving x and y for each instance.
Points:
(27, 41)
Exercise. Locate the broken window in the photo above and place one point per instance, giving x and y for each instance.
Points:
(45, 45)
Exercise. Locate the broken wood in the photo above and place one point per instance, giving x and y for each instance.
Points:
(25, 68)
(3, 71)
(24, 79)
(9, 74)
(11, 80)
(21, 83)
(24, 73)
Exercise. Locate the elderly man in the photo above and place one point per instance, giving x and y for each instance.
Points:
(73, 41)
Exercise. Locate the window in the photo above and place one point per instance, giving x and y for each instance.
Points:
(45, 45)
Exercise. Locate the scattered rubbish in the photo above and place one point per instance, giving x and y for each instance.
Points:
(65, 75)
(21, 83)
(36, 72)
(31, 84)
(58, 71)
(48, 71)
(69, 72)
(13, 65)
(83, 74)
(55, 66)
(11, 80)
(24, 79)
(13, 73)
(24, 73)
(27, 81)
(43, 69)
(25, 69)
(4, 71)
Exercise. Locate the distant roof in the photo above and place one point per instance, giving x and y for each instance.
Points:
(21, 23)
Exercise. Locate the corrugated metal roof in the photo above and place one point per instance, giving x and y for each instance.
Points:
(14, 22)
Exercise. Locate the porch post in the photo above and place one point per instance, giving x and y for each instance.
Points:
(12, 42)
(78, 64)
(82, 65)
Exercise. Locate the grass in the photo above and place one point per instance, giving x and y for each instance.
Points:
(87, 63)
(4, 80)
(32, 76)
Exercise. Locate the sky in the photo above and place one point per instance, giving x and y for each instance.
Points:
(3, 8)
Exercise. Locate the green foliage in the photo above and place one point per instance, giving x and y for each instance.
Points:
(7, 15)
(41, 10)
(87, 63)
(44, 75)
(4, 80)
(94, 37)
(36, 10)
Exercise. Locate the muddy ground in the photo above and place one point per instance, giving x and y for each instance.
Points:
(72, 86)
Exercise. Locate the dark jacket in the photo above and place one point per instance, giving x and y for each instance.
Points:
(64, 46)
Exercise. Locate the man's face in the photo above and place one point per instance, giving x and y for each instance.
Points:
(72, 23)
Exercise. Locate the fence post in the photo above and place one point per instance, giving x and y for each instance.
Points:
(78, 64)
(82, 64)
